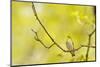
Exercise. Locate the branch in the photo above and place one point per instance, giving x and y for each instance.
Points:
(89, 41)
(54, 43)
(88, 46)
(35, 13)
(80, 48)
(39, 40)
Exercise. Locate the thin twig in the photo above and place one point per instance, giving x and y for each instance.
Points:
(89, 41)
(88, 46)
(39, 40)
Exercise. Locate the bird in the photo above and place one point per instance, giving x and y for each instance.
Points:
(70, 45)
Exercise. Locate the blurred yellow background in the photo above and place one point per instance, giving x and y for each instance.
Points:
(60, 20)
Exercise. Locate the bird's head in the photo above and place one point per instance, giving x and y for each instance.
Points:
(68, 37)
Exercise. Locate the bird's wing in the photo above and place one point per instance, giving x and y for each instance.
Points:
(69, 45)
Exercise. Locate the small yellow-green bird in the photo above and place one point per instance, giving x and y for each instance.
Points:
(70, 45)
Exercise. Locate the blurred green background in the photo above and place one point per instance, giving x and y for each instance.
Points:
(60, 20)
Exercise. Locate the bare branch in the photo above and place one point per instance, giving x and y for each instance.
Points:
(50, 46)
(80, 48)
(35, 13)
(92, 32)
(88, 46)
(89, 41)
(39, 40)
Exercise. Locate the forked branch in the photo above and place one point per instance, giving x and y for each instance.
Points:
(39, 40)
(89, 44)
(35, 13)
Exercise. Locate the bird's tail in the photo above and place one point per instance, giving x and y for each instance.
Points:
(73, 54)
